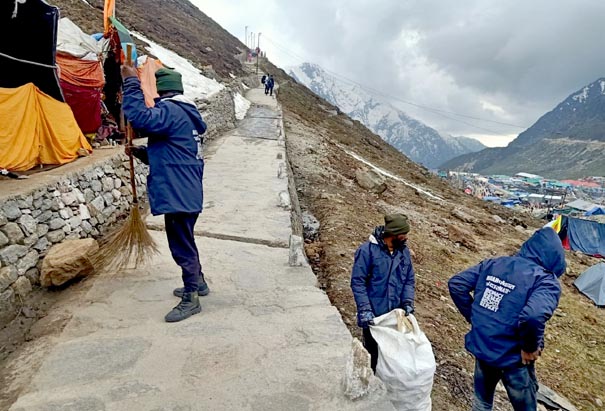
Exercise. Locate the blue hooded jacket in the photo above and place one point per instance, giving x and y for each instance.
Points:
(508, 300)
(382, 281)
(174, 150)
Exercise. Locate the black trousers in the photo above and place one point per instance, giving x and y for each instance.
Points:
(181, 240)
(371, 347)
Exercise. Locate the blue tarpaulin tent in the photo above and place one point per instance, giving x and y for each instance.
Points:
(595, 211)
(586, 236)
(592, 283)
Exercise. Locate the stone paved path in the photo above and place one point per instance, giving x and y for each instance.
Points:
(267, 338)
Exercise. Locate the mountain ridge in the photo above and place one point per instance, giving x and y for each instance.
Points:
(420, 142)
(566, 142)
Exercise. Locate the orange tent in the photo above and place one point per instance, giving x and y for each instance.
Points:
(83, 73)
(147, 76)
(36, 129)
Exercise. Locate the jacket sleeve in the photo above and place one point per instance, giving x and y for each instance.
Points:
(540, 306)
(409, 288)
(359, 278)
(461, 285)
(148, 119)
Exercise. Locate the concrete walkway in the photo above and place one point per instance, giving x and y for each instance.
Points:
(267, 338)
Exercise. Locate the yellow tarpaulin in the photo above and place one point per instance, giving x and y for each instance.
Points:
(36, 129)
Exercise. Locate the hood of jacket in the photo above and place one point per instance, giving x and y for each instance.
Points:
(545, 249)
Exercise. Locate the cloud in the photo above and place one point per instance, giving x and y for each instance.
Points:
(506, 61)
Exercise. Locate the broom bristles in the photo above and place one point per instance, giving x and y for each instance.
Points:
(131, 243)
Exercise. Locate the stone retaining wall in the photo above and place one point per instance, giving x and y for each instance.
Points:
(80, 205)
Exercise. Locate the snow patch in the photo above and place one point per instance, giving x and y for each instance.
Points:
(581, 97)
(602, 83)
(387, 174)
(232, 75)
(245, 87)
(89, 5)
(242, 105)
(196, 85)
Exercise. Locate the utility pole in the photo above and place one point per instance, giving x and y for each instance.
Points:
(246, 37)
(258, 52)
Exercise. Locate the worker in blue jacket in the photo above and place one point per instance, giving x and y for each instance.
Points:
(176, 166)
(383, 277)
(507, 302)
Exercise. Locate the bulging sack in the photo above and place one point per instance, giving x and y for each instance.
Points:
(406, 364)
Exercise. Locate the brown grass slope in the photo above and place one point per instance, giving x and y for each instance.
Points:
(574, 360)
(175, 24)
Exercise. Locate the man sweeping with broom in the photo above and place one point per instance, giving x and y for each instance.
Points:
(174, 154)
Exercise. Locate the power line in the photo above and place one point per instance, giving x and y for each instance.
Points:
(371, 90)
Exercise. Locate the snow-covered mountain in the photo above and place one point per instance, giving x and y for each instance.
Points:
(418, 141)
(567, 142)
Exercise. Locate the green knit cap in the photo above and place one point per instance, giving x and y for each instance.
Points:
(396, 224)
(168, 80)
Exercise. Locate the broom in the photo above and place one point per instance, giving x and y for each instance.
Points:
(131, 242)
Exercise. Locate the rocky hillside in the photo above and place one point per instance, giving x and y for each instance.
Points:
(415, 139)
(175, 24)
(330, 154)
(567, 142)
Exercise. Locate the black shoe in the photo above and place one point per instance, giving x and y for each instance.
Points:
(202, 289)
(189, 305)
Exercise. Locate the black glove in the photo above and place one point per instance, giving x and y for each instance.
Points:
(140, 152)
(409, 309)
(365, 318)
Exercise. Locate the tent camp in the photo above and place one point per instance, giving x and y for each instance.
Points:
(592, 283)
(37, 126)
(79, 57)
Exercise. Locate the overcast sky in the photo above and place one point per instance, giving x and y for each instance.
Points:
(509, 61)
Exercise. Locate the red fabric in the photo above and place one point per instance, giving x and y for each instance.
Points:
(85, 102)
(565, 243)
(85, 73)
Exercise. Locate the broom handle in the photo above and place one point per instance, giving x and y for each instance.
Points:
(135, 198)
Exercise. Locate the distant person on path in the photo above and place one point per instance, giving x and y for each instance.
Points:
(507, 301)
(267, 81)
(383, 277)
(271, 81)
(176, 166)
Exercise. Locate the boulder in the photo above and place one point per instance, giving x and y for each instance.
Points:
(359, 380)
(66, 261)
(371, 181)
(462, 216)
